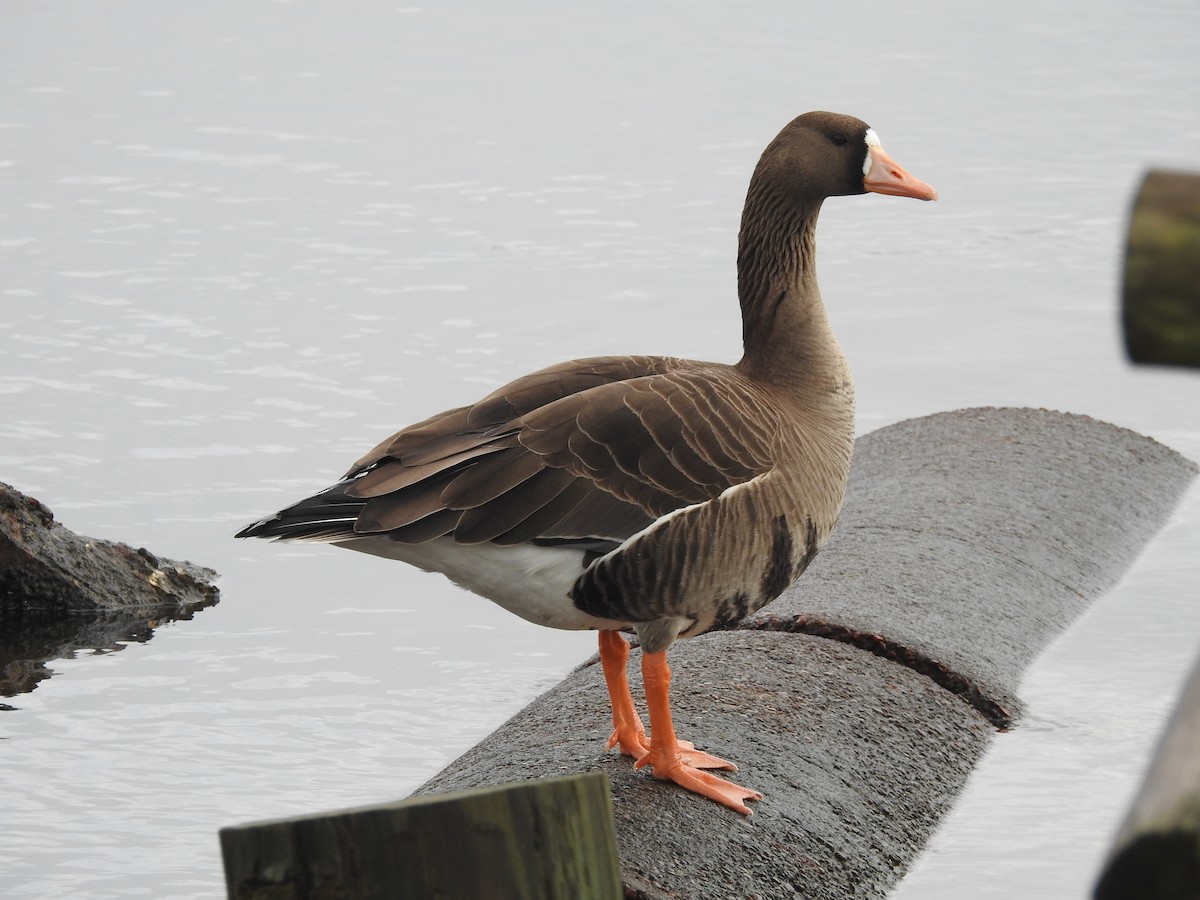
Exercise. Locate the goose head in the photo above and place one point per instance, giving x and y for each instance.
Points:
(824, 154)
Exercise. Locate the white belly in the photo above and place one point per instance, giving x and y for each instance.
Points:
(532, 582)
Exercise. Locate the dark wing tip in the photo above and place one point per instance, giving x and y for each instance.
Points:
(258, 529)
(324, 516)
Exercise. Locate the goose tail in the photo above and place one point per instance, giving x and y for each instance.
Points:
(327, 516)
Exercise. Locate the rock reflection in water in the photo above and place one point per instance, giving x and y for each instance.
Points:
(28, 647)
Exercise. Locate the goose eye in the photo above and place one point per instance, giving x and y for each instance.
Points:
(838, 139)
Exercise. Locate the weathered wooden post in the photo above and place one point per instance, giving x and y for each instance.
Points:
(1161, 296)
(1157, 850)
(1156, 853)
(551, 839)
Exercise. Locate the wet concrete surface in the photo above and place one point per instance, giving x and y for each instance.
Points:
(972, 538)
(859, 702)
(857, 759)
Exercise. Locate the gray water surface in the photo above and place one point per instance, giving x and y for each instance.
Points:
(243, 241)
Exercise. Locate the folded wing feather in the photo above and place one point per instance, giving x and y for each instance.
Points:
(590, 451)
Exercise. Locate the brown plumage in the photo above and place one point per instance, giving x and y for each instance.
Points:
(659, 495)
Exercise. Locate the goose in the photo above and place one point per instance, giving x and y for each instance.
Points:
(648, 494)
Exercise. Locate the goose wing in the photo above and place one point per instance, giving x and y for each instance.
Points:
(588, 452)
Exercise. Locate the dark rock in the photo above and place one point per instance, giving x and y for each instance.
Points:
(48, 572)
(61, 593)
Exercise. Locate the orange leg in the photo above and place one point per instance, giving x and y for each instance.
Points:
(675, 760)
(628, 730)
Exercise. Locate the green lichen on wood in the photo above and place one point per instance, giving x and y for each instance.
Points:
(541, 840)
(1161, 298)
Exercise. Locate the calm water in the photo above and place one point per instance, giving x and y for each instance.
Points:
(243, 241)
